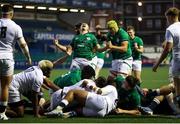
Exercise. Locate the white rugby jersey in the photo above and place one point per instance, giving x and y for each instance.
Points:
(9, 33)
(109, 92)
(28, 80)
(77, 86)
(173, 36)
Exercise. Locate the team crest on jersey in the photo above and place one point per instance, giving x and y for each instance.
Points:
(88, 38)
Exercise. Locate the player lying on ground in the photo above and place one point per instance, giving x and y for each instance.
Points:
(156, 101)
(61, 92)
(98, 102)
(84, 47)
(74, 76)
(28, 83)
(128, 96)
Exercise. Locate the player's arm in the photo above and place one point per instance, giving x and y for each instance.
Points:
(45, 87)
(35, 102)
(129, 112)
(60, 60)
(97, 90)
(166, 51)
(99, 49)
(61, 47)
(139, 46)
(139, 49)
(50, 84)
(122, 48)
(24, 47)
(164, 54)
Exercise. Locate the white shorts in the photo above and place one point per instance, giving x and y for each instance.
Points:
(56, 98)
(176, 68)
(95, 105)
(100, 63)
(6, 67)
(79, 63)
(137, 65)
(122, 66)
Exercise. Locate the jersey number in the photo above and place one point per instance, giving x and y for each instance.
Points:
(3, 32)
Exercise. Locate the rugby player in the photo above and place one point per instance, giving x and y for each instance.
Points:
(128, 96)
(119, 45)
(10, 32)
(99, 102)
(28, 83)
(173, 43)
(137, 50)
(74, 76)
(84, 47)
(159, 101)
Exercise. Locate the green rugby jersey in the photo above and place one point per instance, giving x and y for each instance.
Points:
(127, 99)
(135, 54)
(83, 46)
(68, 79)
(116, 40)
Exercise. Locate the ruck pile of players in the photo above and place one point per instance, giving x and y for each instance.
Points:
(82, 92)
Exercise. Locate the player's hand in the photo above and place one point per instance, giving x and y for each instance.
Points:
(109, 45)
(84, 84)
(69, 50)
(135, 45)
(155, 66)
(55, 41)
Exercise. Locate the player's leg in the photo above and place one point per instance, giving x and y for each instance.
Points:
(73, 95)
(56, 98)
(170, 100)
(93, 62)
(137, 68)
(6, 75)
(177, 88)
(152, 106)
(164, 90)
(78, 95)
(17, 108)
(100, 64)
(114, 71)
(137, 74)
(74, 65)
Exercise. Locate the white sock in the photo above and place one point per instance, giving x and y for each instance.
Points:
(65, 102)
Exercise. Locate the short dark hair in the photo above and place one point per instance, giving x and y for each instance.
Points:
(87, 72)
(130, 27)
(173, 11)
(78, 25)
(7, 8)
(101, 82)
(132, 81)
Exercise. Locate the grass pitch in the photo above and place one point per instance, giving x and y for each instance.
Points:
(150, 80)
